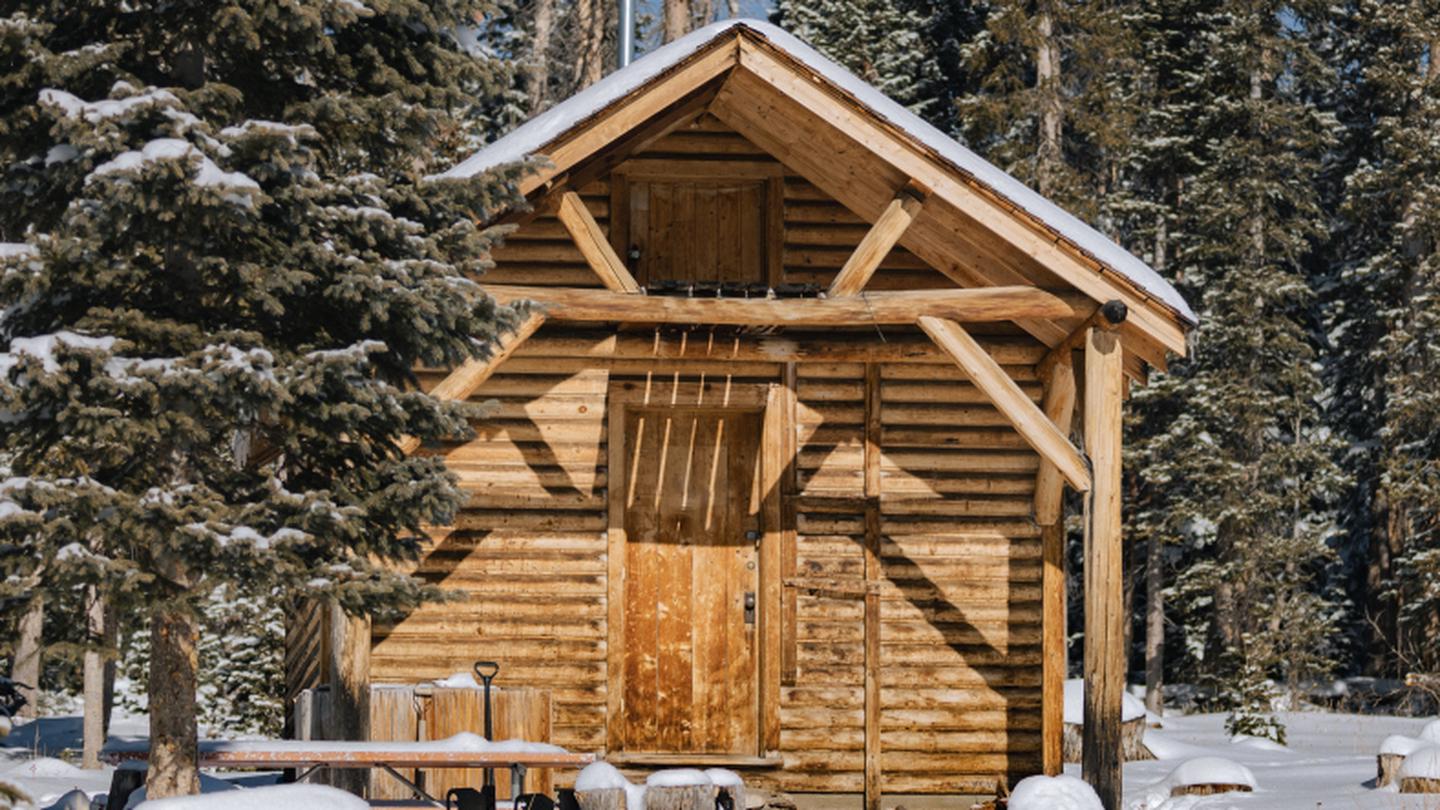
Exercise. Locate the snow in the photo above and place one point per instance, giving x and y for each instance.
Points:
(1329, 763)
(1130, 706)
(1061, 792)
(61, 153)
(722, 777)
(277, 797)
(43, 348)
(604, 776)
(1401, 745)
(74, 800)
(677, 777)
(463, 743)
(1422, 764)
(163, 149)
(538, 133)
(9, 250)
(460, 680)
(96, 111)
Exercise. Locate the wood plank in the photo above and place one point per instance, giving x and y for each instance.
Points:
(681, 169)
(472, 373)
(615, 541)
(1059, 408)
(594, 245)
(777, 457)
(1104, 597)
(1028, 420)
(1053, 673)
(893, 308)
(873, 572)
(876, 244)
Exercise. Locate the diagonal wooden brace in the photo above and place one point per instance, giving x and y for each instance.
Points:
(1029, 421)
(878, 242)
(593, 245)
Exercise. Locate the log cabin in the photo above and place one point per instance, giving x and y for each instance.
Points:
(772, 476)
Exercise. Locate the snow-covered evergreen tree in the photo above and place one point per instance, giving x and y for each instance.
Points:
(224, 260)
(1384, 322)
(1231, 447)
(881, 41)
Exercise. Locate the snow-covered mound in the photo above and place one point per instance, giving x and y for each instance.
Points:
(278, 797)
(604, 776)
(721, 777)
(1210, 771)
(208, 785)
(1431, 732)
(1423, 763)
(677, 777)
(43, 768)
(1131, 708)
(1054, 793)
(1400, 745)
(74, 800)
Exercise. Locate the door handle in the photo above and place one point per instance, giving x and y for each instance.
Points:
(749, 607)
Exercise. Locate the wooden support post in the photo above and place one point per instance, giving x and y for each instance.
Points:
(594, 246)
(886, 308)
(473, 373)
(873, 785)
(878, 242)
(789, 559)
(1029, 421)
(1104, 603)
(1059, 407)
(348, 717)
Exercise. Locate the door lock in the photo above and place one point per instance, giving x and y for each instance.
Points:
(749, 607)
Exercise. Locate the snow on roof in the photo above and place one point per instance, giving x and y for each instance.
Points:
(544, 129)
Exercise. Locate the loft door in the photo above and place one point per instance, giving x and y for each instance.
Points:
(698, 231)
(691, 580)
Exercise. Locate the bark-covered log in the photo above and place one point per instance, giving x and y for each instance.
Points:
(174, 744)
(1132, 741)
(687, 797)
(1412, 784)
(1387, 768)
(609, 799)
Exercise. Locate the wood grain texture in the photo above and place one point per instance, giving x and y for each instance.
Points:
(1059, 407)
(1028, 420)
(894, 308)
(1104, 603)
(594, 245)
(876, 244)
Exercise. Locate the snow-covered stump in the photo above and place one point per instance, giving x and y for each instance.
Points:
(1209, 776)
(1420, 772)
(1387, 768)
(601, 799)
(679, 789)
(680, 797)
(1132, 725)
(1395, 748)
(729, 788)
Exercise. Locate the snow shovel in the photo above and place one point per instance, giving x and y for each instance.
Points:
(487, 670)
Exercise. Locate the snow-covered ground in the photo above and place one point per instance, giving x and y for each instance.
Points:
(1329, 763)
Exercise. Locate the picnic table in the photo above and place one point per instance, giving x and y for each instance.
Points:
(460, 751)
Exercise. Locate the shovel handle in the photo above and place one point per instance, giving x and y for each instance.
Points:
(487, 670)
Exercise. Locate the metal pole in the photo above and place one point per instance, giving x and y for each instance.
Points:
(627, 32)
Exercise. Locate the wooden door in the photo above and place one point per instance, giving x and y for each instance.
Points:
(691, 582)
(698, 231)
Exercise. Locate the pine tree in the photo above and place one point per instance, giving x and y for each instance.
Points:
(1232, 449)
(880, 41)
(225, 262)
(1382, 318)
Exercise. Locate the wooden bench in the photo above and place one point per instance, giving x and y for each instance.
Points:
(309, 756)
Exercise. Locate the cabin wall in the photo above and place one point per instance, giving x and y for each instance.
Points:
(958, 572)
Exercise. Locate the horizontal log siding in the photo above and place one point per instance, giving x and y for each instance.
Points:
(960, 596)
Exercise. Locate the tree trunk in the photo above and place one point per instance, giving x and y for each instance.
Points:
(97, 665)
(590, 19)
(676, 19)
(28, 648)
(348, 717)
(1154, 628)
(1154, 553)
(733, 7)
(537, 83)
(1047, 83)
(174, 667)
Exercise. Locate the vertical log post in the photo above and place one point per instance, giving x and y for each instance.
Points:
(348, 717)
(1059, 407)
(1104, 608)
(873, 785)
